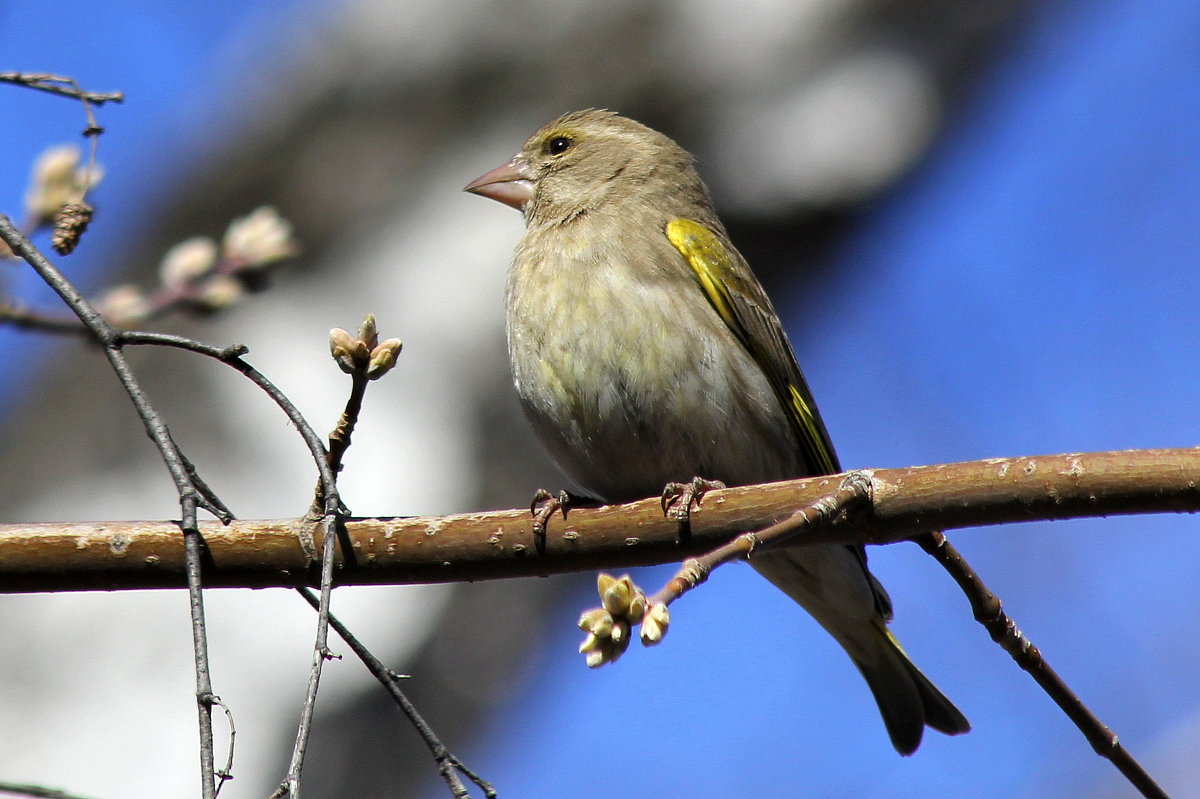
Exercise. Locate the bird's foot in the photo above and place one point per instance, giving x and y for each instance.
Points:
(543, 506)
(679, 498)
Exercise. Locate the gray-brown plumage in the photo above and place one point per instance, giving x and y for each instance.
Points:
(644, 351)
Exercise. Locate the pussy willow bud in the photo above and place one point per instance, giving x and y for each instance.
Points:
(187, 261)
(221, 291)
(259, 239)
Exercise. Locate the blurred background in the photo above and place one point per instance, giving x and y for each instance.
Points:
(978, 221)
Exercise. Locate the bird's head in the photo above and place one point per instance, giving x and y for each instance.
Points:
(590, 161)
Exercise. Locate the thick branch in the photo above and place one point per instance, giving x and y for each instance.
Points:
(478, 546)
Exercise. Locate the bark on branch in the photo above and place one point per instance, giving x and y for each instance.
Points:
(477, 546)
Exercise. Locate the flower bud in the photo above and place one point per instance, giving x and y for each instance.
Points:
(342, 346)
(620, 632)
(655, 625)
(617, 596)
(367, 332)
(383, 358)
(56, 180)
(637, 606)
(70, 221)
(597, 620)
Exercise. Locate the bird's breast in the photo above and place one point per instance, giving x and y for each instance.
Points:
(628, 376)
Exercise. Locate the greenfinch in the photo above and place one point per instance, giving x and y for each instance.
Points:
(644, 351)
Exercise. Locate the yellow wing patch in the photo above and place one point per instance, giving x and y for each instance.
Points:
(804, 412)
(706, 256)
(710, 261)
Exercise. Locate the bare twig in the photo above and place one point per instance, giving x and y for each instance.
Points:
(30, 319)
(326, 498)
(193, 492)
(37, 791)
(990, 613)
(291, 783)
(449, 766)
(67, 87)
(60, 85)
(339, 439)
(854, 490)
(225, 773)
(232, 356)
(327, 512)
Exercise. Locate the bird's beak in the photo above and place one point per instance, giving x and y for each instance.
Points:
(511, 184)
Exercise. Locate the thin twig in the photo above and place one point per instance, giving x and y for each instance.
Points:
(192, 492)
(328, 513)
(57, 84)
(339, 439)
(29, 319)
(37, 791)
(232, 356)
(854, 490)
(225, 773)
(327, 500)
(989, 612)
(449, 766)
(67, 87)
(321, 653)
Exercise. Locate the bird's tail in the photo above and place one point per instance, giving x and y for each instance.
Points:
(907, 700)
(833, 584)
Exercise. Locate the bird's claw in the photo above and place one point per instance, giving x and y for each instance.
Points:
(542, 507)
(678, 498)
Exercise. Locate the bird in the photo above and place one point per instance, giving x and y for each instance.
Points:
(644, 350)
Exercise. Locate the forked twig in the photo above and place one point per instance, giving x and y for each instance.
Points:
(449, 766)
(60, 85)
(193, 493)
(854, 490)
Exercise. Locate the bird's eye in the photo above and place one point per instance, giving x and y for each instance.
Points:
(559, 145)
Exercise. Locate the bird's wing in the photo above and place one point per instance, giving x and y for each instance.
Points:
(742, 304)
(740, 301)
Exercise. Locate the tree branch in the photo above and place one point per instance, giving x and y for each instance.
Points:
(478, 546)
(192, 490)
(449, 765)
(989, 612)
